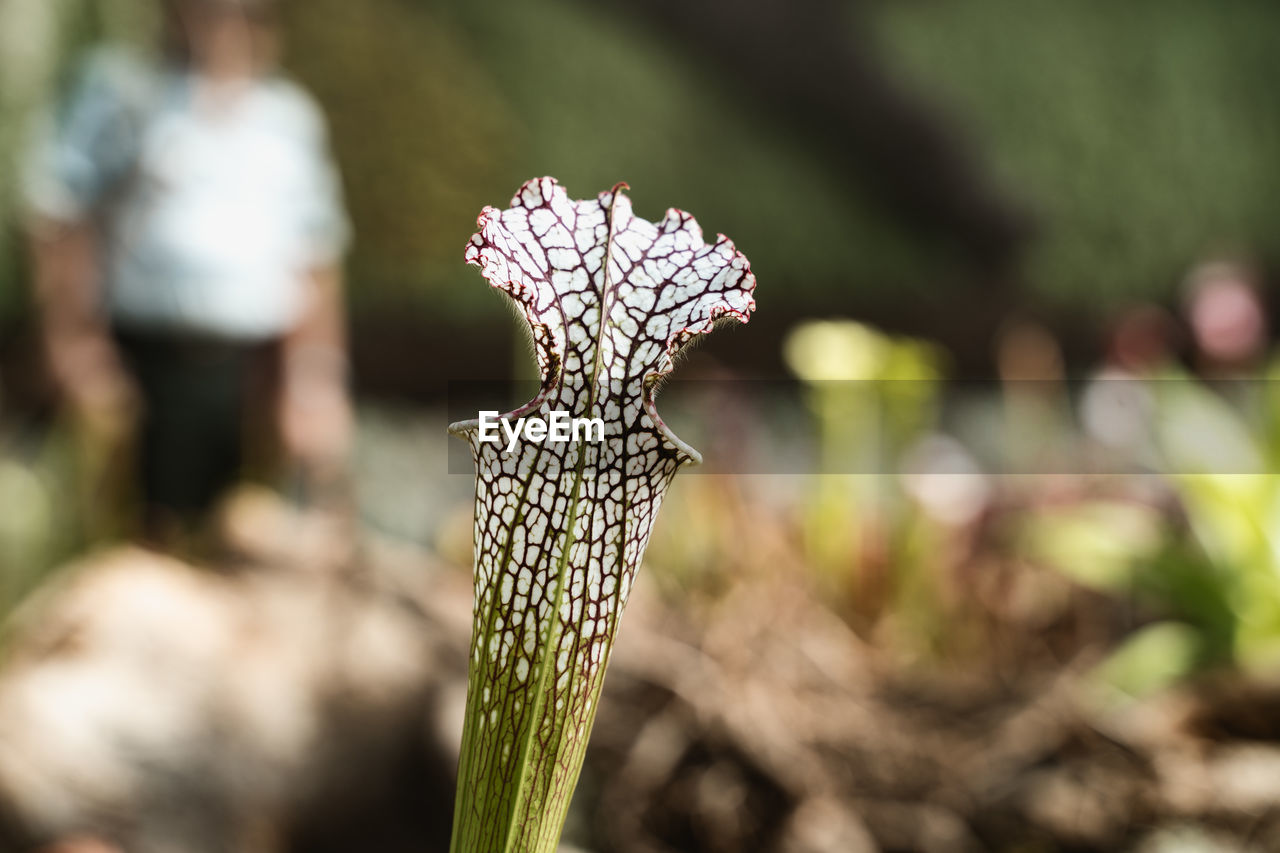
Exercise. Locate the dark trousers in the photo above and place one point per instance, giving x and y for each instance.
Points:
(196, 395)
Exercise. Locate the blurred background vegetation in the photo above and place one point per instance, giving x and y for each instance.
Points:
(1130, 140)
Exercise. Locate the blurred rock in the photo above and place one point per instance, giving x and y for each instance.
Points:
(169, 709)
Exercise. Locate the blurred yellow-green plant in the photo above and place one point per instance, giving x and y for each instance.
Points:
(1220, 461)
(871, 396)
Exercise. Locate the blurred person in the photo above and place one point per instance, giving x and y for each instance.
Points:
(1118, 405)
(1226, 312)
(187, 230)
(1143, 340)
(1228, 320)
(1032, 375)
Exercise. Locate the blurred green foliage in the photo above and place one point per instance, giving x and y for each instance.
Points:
(1144, 133)
(1151, 659)
(440, 108)
(423, 135)
(1216, 452)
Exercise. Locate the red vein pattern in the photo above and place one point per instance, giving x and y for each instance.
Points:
(560, 528)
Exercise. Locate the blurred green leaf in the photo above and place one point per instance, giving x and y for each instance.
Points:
(1100, 545)
(1149, 660)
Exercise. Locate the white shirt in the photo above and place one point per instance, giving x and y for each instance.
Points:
(212, 215)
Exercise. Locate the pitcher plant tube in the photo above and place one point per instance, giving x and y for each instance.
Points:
(560, 527)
